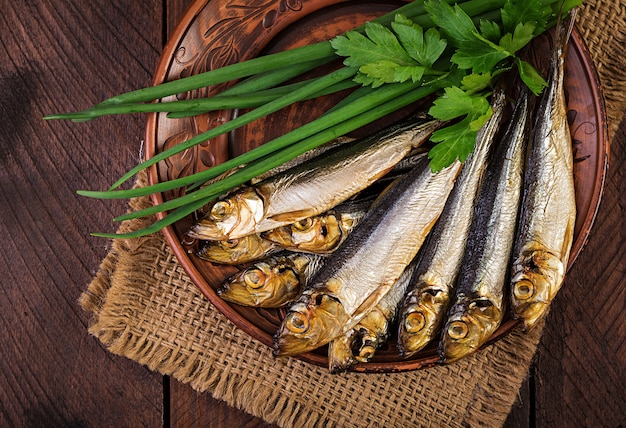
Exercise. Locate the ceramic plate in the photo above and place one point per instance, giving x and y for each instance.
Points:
(220, 32)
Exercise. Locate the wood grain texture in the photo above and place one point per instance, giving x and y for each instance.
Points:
(60, 55)
(187, 408)
(65, 55)
(191, 409)
(581, 368)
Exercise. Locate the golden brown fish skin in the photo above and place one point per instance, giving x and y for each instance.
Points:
(320, 323)
(314, 186)
(236, 251)
(229, 215)
(480, 301)
(468, 328)
(428, 297)
(374, 327)
(362, 270)
(340, 354)
(320, 234)
(360, 343)
(270, 283)
(548, 212)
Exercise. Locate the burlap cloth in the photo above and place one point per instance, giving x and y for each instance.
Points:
(144, 307)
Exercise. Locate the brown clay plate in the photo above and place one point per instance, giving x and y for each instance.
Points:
(214, 33)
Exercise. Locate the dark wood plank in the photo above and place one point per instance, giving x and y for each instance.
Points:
(59, 56)
(581, 367)
(63, 55)
(522, 413)
(186, 406)
(192, 409)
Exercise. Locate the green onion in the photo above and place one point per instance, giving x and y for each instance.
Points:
(271, 107)
(192, 107)
(203, 196)
(263, 88)
(370, 101)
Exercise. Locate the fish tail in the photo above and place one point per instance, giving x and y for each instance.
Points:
(564, 29)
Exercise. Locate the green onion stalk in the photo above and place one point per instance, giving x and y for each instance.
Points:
(260, 86)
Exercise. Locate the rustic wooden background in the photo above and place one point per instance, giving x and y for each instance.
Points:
(60, 55)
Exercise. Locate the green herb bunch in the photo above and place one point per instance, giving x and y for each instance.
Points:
(423, 48)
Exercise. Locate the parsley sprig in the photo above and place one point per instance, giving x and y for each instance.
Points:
(423, 48)
(391, 55)
(466, 53)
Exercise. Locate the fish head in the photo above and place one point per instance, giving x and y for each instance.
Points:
(340, 356)
(262, 285)
(422, 318)
(235, 251)
(536, 279)
(231, 217)
(314, 320)
(470, 324)
(372, 332)
(367, 346)
(319, 234)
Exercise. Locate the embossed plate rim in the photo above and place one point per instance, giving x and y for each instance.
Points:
(401, 365)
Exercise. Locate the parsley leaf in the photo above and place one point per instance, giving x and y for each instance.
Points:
(457, 140)
(481, 58)
(531, 77)
(473, 83)
(490, 30)
(385, 56)
(424, 48)
(454, 103)
(455, 24)
(377, 44)
(516, 12)
(454, 142)
(522, 35)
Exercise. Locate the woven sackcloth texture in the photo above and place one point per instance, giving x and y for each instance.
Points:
(144, 307)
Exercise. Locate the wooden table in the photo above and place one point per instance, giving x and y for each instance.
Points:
(60, 55)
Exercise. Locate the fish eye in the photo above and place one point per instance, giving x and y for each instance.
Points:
(220, 210)
(254, 278)
(431, 296)
(458, 330)
(524, 290)
(481, 304)
(229, 243)
(297, 322)
(414, 322)
(303, 224)
(367, 352)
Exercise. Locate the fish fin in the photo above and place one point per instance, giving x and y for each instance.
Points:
(567, 242)
(564, 27)
(293, 215)
(371, 301)
(384, 191)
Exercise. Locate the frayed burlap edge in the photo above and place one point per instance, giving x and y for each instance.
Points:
(602, 24)
(145, 308)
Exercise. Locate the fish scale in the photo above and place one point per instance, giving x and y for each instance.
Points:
(313, 186)
(480, 301)
(548, 211)
(359, 274)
